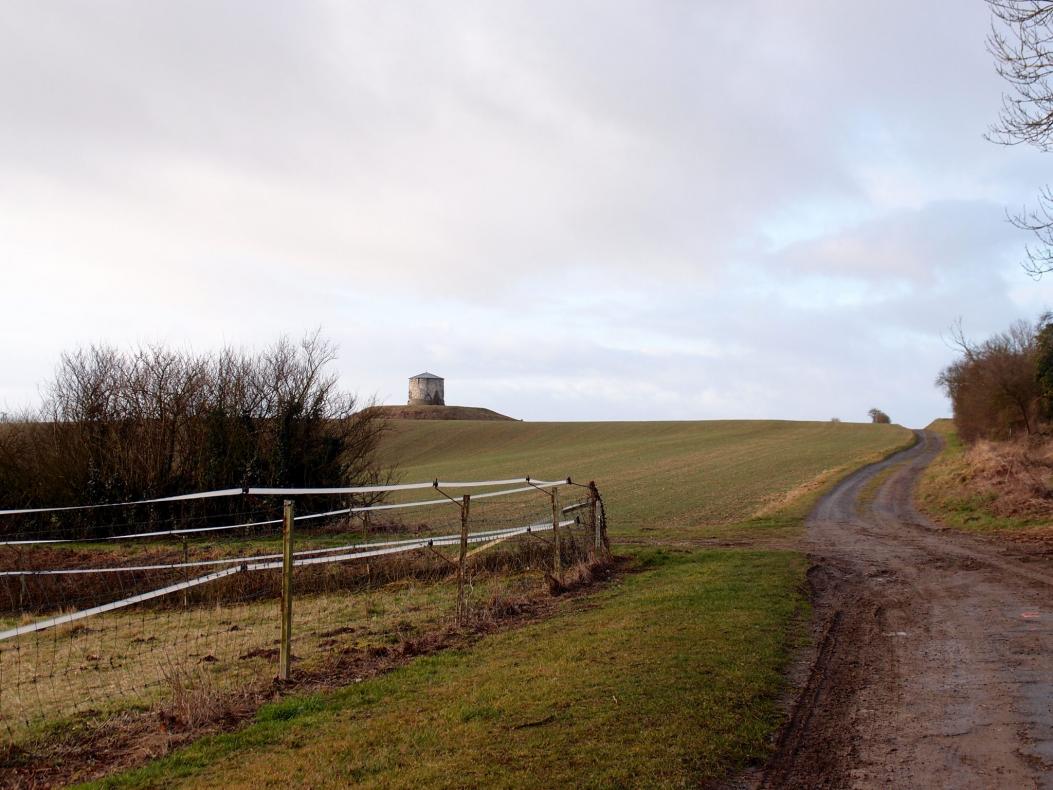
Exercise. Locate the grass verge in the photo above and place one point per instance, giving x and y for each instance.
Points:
(961, 490)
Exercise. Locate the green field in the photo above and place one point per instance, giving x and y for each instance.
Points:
(668, 676)
(666, 480)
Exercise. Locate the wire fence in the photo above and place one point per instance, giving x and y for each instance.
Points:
(179, 615)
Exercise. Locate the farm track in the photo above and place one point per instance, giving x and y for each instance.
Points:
(933, 664)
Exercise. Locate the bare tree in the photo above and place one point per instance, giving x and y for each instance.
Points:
(117, 426)
(1021, 41)
(993, 386)
(878, 416)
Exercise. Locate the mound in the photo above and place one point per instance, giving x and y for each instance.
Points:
(440, 413)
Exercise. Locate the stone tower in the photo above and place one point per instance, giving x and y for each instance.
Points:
(426, 389)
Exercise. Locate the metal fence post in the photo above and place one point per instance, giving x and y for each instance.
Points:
(284, 654)
(462, 608)
(186, 573)
(21, 583)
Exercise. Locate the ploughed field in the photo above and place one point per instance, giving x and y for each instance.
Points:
(669, 674)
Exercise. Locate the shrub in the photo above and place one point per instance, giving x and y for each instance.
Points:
(994, 386)
(156, 422)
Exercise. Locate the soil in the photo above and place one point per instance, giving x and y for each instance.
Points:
(933, 657)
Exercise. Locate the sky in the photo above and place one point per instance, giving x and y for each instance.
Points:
(570, 210)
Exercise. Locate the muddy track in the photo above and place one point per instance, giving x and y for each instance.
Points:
(933, 664)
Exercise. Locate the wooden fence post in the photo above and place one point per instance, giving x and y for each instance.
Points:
(462, 608)
(557, 538)
(284, 654)
(594, 522)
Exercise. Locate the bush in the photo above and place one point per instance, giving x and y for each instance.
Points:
(994, 386)
(878, 416)
(155, 422)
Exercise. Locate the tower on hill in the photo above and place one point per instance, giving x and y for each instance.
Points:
(426, 389)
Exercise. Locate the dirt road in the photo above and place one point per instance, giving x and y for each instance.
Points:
(934, 658)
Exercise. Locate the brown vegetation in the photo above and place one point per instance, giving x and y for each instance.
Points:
(156, 422)
(994, 386)
(20, 596)
(1016, 476)
(987, 486)
(192, 709)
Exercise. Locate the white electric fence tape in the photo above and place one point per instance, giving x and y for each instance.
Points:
(413, 542)
(263, 566)
(281, 492)
(381, 489)
(179, 498)
(270, 522)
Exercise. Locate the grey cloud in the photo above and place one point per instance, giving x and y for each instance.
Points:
(749, 208)
(948, 239)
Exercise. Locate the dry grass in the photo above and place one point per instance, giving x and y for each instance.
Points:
(192, 706)
(990, 486)
(221, 639)
(1019, 474)
(780, 502)
(193, 701)
(150, 657)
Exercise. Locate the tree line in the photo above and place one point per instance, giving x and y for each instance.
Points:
(153, 422)
(1002, 387)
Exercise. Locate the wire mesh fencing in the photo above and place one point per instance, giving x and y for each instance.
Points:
(170, 612)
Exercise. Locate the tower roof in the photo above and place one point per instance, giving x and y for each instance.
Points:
(426, 375)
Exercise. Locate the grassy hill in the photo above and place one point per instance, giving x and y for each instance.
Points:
(668, 479)
(669, 676)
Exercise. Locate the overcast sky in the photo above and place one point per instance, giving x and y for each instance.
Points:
(571, 210)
